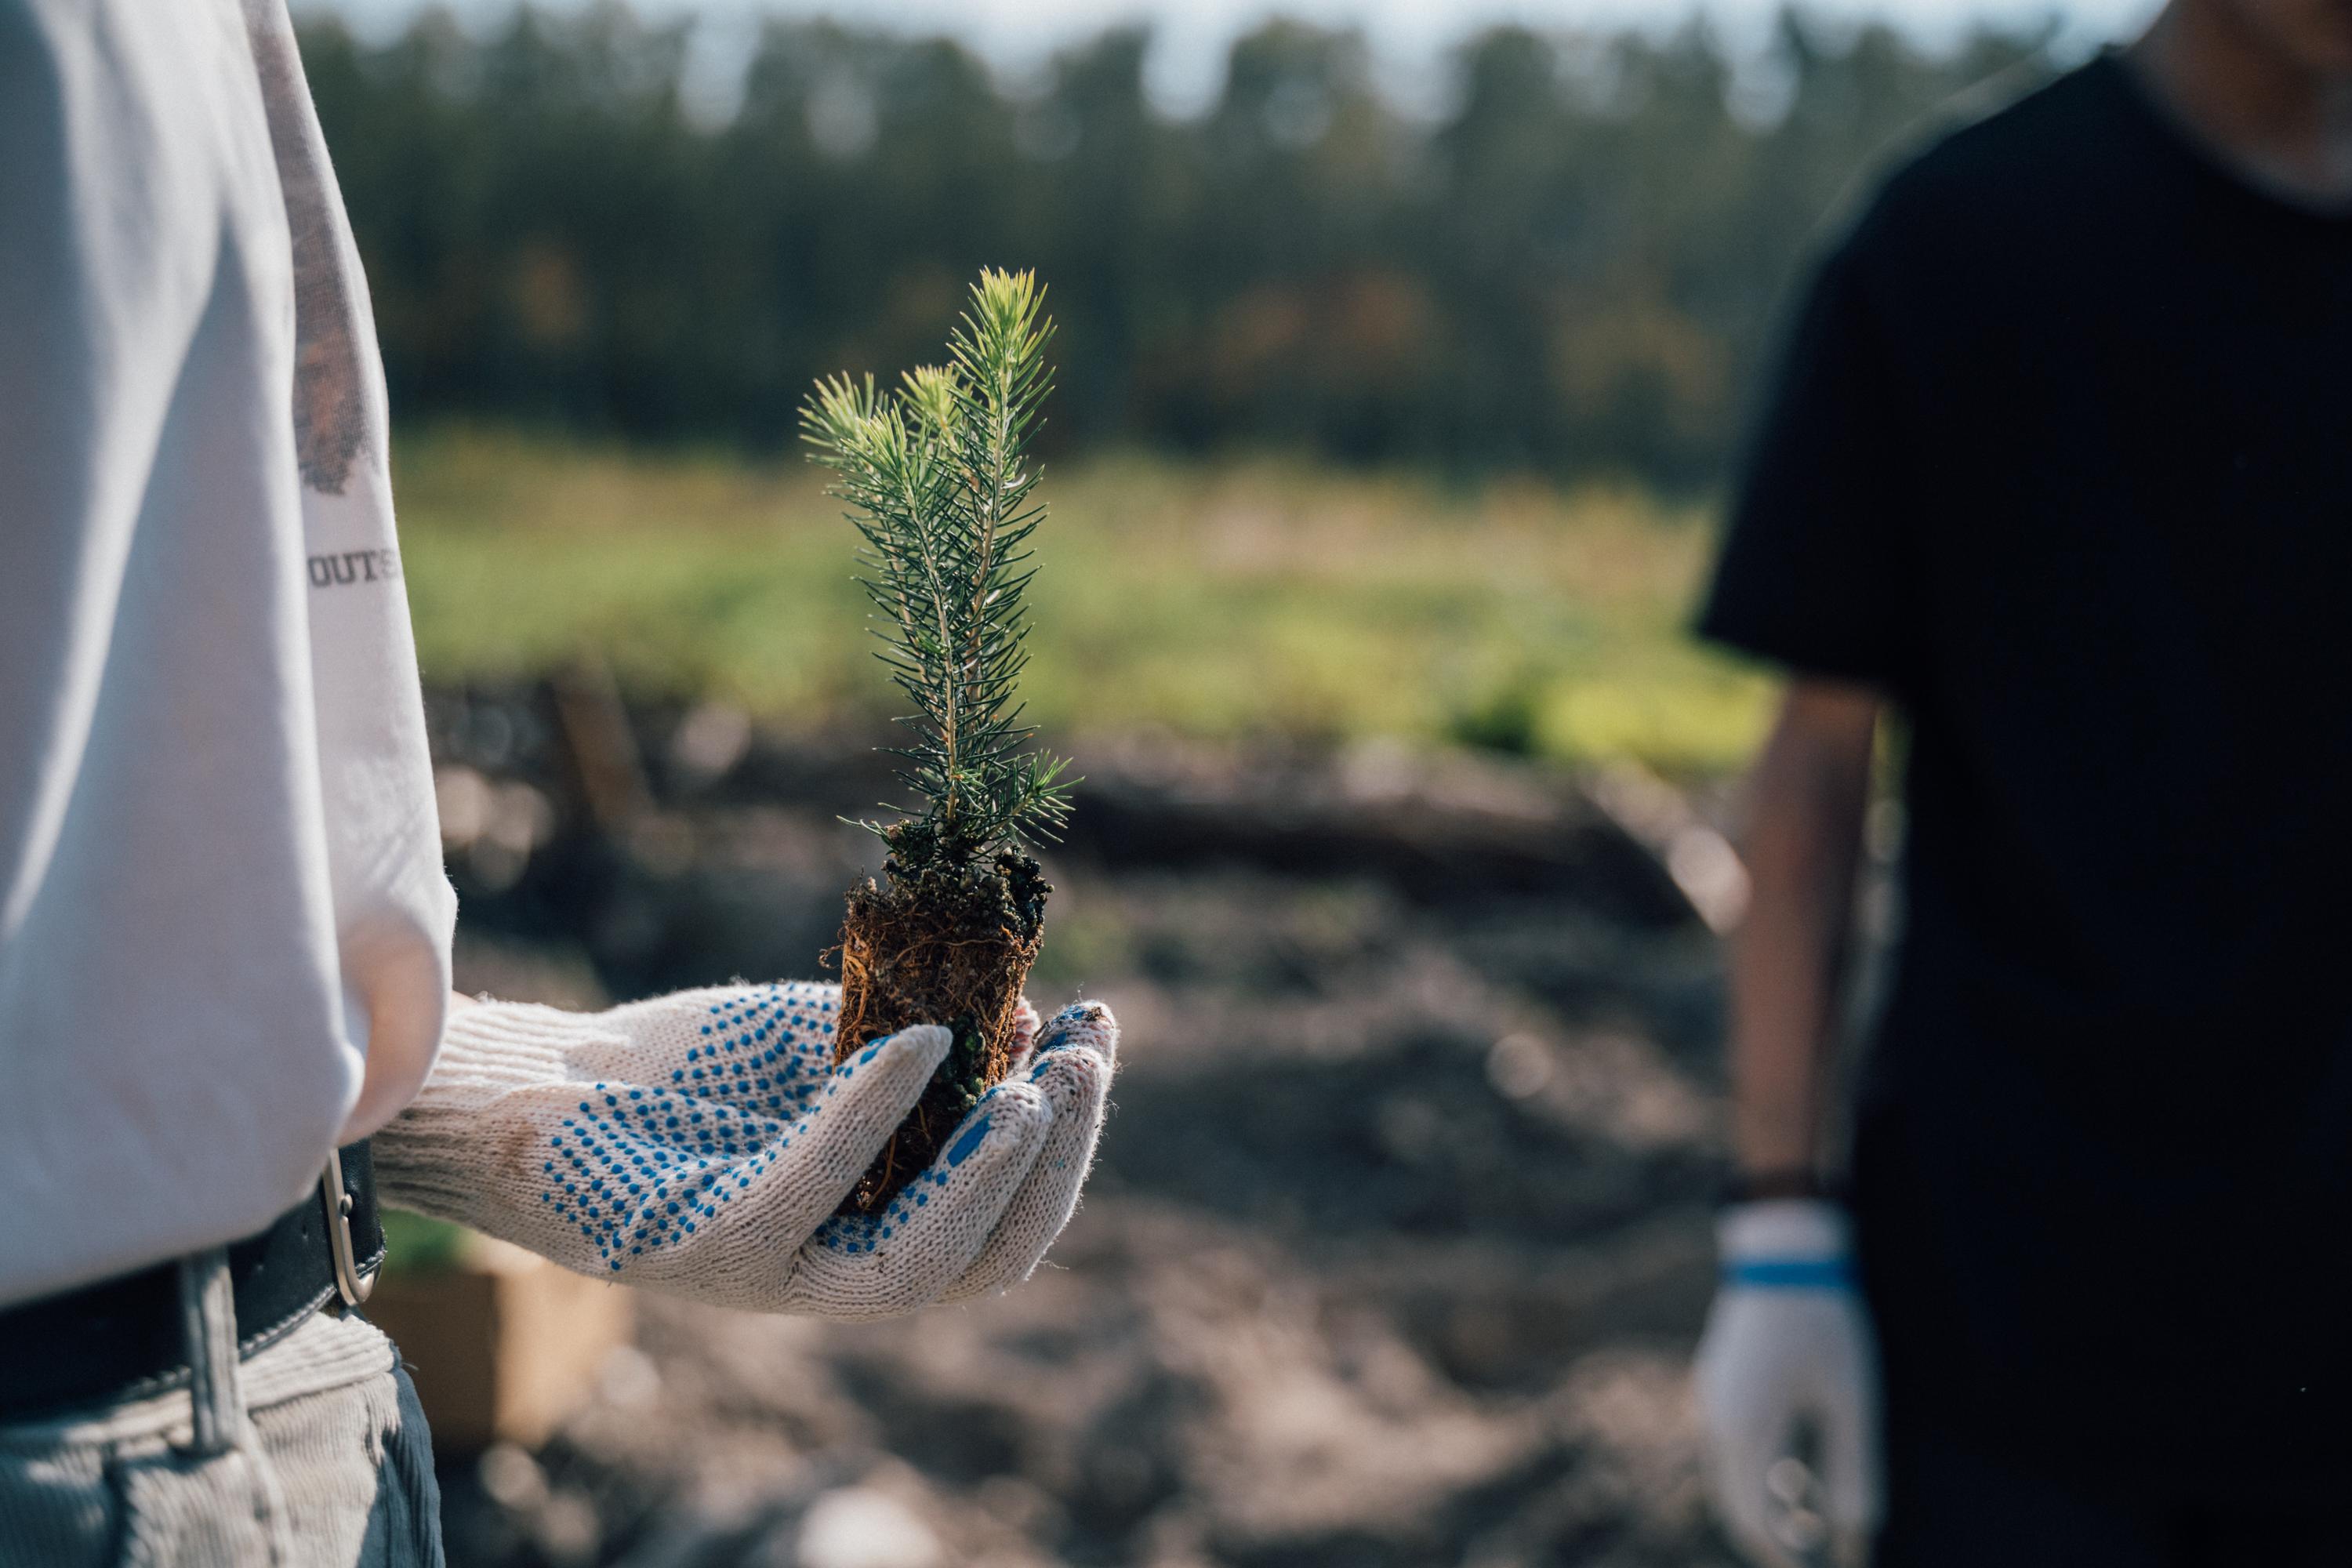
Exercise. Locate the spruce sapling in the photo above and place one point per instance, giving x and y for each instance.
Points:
(937, 479)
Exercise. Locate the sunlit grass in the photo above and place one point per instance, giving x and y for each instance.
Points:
(1209, 600)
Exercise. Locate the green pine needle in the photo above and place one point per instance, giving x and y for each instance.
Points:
(937, 483)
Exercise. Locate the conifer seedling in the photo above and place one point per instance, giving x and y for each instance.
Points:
(937, 479)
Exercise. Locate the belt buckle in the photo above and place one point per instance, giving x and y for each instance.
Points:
(352, 1285)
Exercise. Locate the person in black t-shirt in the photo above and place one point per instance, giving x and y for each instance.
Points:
(2059, 470)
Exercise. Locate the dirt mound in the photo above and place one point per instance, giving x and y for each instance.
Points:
(1394, 1255)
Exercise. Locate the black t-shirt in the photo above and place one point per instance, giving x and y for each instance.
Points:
(2060, 459)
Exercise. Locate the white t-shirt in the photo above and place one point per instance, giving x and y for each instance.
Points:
(224, 925)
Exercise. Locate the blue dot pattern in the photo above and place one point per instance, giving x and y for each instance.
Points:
(641, 1167)
(861, 1233)
(1064, 1029)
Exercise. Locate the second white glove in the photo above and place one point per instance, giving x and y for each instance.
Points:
(1788, 1347)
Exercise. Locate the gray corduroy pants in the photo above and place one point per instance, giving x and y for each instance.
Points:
(312, 1452)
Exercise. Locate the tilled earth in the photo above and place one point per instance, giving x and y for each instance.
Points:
(1394, 1255)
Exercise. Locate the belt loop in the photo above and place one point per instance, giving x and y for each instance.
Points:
(208, 1327)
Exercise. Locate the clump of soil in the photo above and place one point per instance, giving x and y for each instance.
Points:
(947, 942)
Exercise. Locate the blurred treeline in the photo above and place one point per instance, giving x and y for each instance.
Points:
(1576, 268)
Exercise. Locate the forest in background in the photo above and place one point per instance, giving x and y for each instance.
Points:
(1574, 270)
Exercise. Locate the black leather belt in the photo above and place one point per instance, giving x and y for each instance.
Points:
(122, 1337)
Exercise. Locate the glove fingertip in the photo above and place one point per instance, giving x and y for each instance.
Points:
(926, 1042)
(1082, 1025)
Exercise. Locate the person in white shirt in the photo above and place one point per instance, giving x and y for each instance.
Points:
(224, 931)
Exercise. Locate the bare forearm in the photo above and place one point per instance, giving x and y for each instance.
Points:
(1806, 800)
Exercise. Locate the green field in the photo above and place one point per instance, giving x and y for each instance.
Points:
(1216, 601)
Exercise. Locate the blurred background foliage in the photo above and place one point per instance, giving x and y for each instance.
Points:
(1573, 271)
(1270, 598)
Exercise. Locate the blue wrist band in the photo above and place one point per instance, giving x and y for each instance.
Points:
(1790, 1273)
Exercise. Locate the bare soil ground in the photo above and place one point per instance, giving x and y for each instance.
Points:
(1399, 1240)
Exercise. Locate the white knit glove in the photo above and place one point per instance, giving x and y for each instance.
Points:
(700, 1143)
(1788, 1346)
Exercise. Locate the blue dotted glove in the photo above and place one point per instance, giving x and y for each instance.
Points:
(700, 1143)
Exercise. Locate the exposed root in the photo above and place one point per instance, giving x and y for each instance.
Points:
(937, 949)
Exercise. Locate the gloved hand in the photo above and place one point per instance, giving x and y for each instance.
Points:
(1789, 1345)
(700, 1143)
